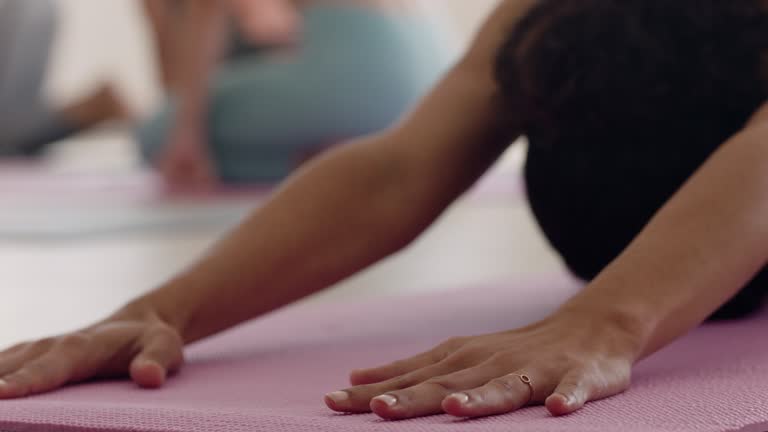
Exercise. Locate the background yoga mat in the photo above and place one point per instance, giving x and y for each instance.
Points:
(38, 204)
(56, 222)
(271, 374)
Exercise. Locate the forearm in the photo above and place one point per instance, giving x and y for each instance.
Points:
(161, 31)
(342, 213)
(697, 252)
(352, 207)
(199, 41)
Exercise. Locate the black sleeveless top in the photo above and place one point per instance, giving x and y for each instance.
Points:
(591, 200)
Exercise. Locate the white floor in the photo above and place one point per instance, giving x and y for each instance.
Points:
(48, 287)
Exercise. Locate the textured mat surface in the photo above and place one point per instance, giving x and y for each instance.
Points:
(270, 375)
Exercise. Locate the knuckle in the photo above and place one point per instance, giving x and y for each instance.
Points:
(503, 362)
(441, 385)
(454, 343)
(33, 370)
(437, 354)
(502, 383)
(470, 354)
(503, 359)
(404, 381)
(456, 360)
(399, 365)
(166, 332)
(75, 341)
(43, 344)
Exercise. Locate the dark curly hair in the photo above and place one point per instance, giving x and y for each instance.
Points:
(622, 100)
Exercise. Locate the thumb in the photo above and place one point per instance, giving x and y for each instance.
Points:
(161, 355)
(570, 395)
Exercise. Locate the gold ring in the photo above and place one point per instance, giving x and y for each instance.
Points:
(527, 381)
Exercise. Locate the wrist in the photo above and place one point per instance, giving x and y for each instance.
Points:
(137, 310)
(157, 307)
(625, 324)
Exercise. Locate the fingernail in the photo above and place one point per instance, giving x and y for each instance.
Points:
(388, 400)
(461, 398)
(338, 396)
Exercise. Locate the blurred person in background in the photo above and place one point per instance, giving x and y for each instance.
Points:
(27, 122)
(257, 87)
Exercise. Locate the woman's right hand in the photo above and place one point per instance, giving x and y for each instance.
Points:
(186, 165)
(130, 343)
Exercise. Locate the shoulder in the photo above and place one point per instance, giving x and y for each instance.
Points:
(495, 31)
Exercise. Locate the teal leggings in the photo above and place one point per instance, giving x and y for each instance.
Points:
(357, 71)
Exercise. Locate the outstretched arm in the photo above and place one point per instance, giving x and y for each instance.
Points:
(189, 36)
(704, 245)
(701, 248)
(351, 207)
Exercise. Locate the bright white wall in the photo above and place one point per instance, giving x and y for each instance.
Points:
(98, 41)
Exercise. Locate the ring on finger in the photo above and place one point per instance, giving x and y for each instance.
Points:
(525, 379)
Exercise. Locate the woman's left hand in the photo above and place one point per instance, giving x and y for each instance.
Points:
(267, 22)
(569, 359)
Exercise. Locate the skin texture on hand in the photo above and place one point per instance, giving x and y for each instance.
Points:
(137, 345)
(570, 359)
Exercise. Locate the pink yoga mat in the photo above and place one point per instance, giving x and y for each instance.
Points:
(271, 374)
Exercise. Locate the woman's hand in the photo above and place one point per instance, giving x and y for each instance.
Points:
(186, 164)
(136, 344)
(267, 22)
(570, 359)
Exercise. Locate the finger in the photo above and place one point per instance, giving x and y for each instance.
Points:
(14, 358)
(14, 349)
(583, 385)
(501, 395)
(427, 398)
(392, 370)
(12, 362)
(160, 356)
(570, 395)
(358, 398)
(48, 371)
